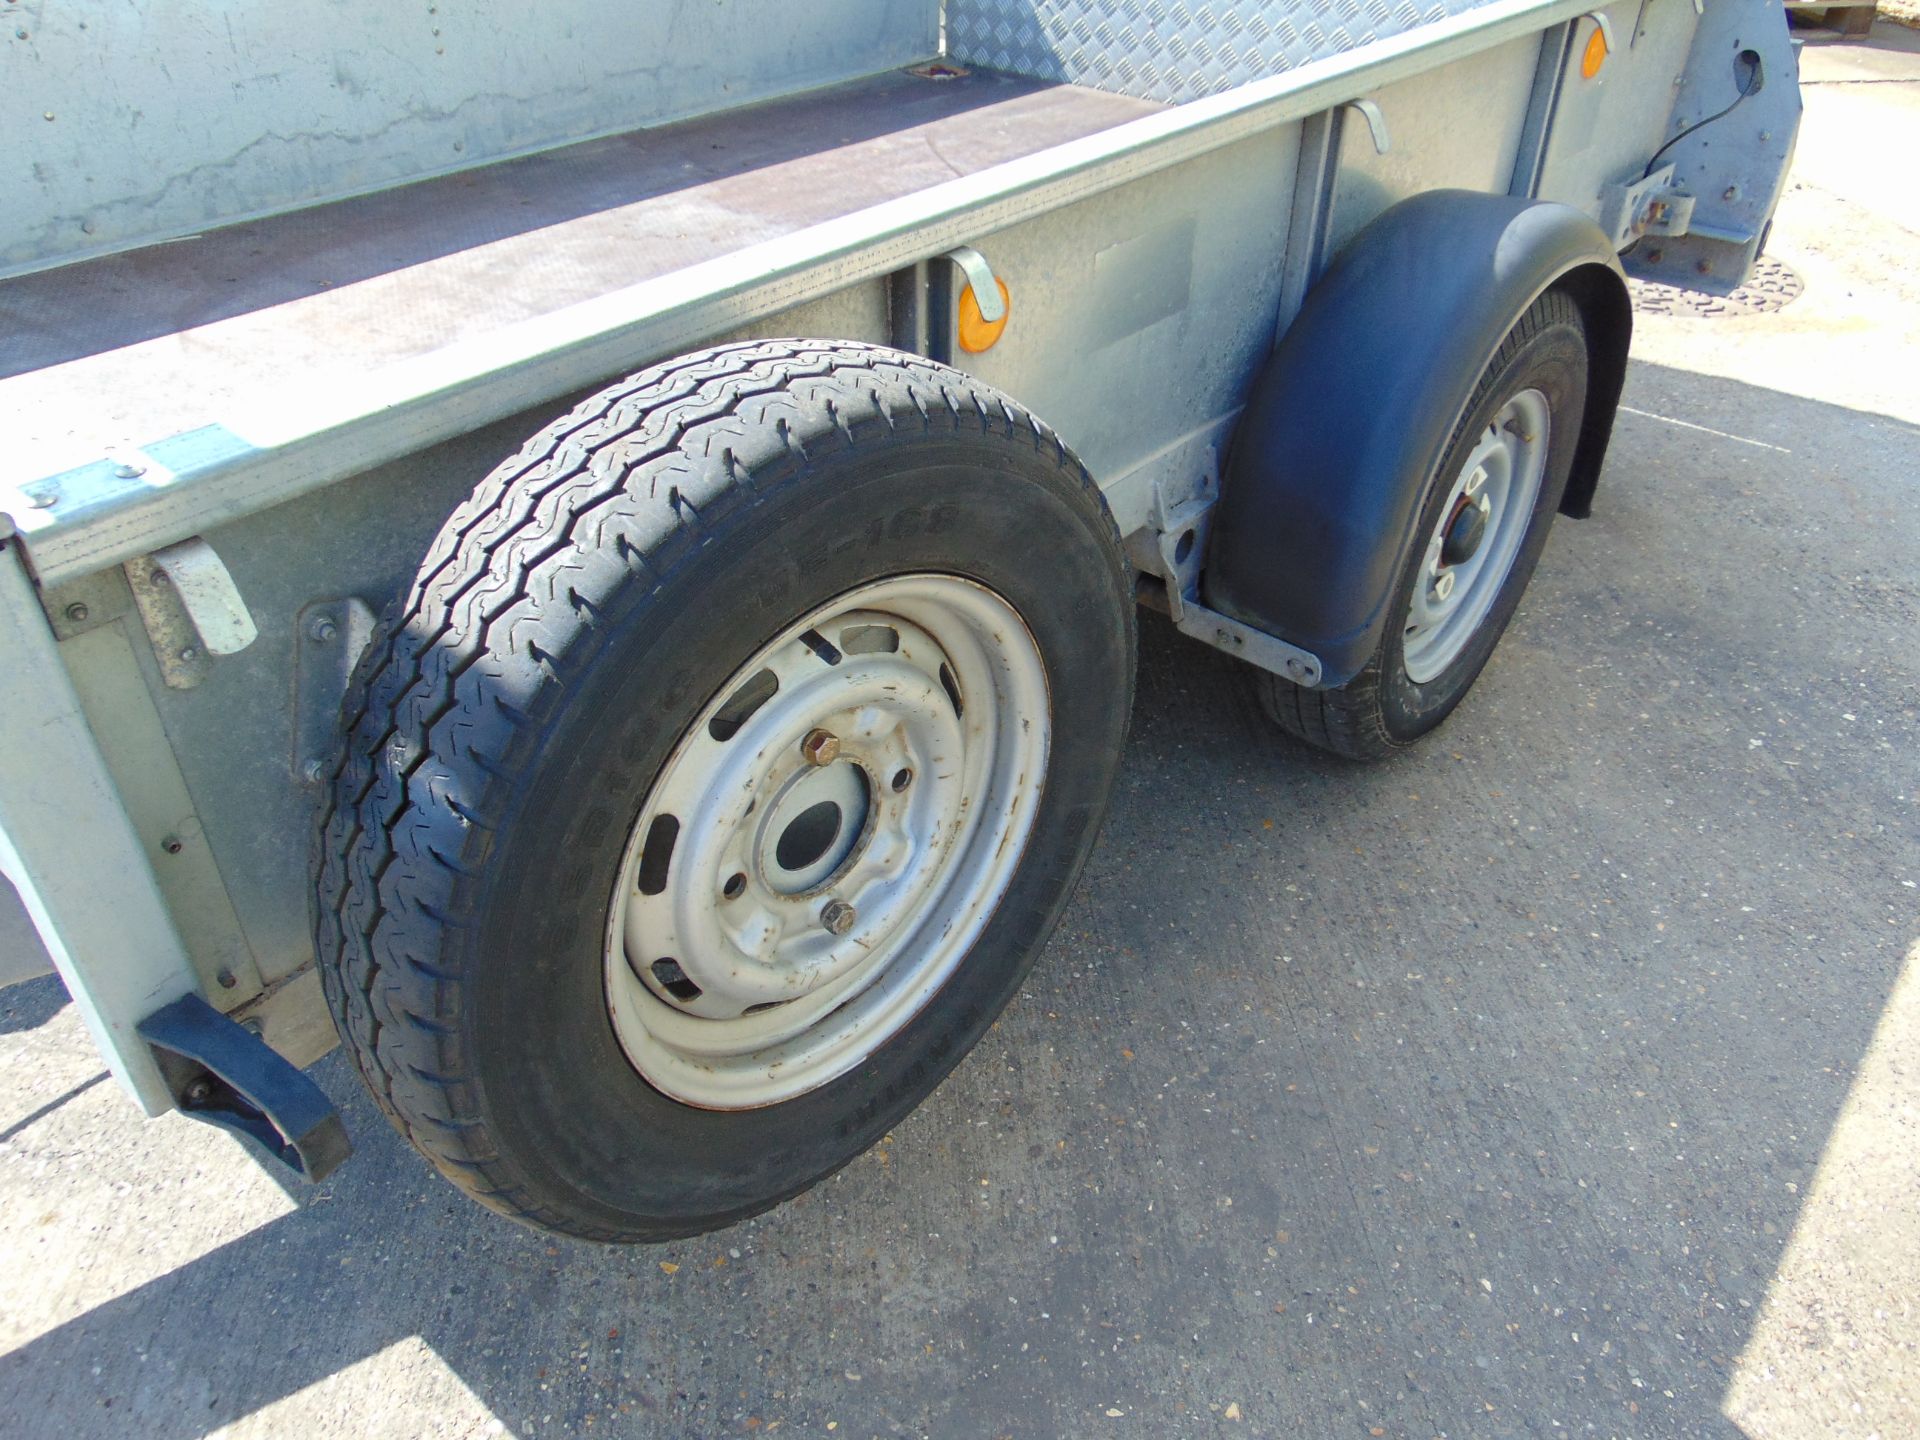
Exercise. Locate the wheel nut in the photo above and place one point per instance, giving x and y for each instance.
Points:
(1443, 587)
(821, 747)
(837, 916)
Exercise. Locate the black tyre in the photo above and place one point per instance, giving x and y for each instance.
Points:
(768, 661)
(1475, 547)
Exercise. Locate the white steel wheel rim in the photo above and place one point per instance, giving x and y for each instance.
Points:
(938, 703)
(1501, 480)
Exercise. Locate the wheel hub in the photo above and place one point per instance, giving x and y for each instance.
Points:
(826, 842)
(811, 831)
(1468, 556)
(1464, 534)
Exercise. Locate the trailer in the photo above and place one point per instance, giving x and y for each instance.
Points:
(658, 813)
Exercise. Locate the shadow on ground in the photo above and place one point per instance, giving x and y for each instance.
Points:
(31, 1003)
(1470, 1094)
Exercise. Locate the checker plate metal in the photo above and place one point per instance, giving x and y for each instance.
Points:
(1169, 50)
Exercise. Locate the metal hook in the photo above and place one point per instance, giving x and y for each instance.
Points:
(1376, 123)
(986, 289)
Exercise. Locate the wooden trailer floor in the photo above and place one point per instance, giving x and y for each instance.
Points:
(133, 347)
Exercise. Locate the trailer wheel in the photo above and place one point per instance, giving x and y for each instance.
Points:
(1483, 522)
(718, 782)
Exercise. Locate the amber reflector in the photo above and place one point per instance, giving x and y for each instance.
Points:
(1596, 54)
(976, 333)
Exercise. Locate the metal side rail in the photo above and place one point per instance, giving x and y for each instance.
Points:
(281, 444)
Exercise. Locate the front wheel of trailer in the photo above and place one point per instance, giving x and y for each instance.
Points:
(719, 781)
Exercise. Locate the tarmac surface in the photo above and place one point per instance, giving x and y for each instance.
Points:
(1562, 1076)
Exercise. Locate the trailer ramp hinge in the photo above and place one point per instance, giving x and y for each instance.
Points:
(191, 608)
(1180, 522)
(980, 276)
(221, 1072)
(1376, 119)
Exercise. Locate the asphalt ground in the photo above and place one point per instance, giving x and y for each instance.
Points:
(1562, 1076)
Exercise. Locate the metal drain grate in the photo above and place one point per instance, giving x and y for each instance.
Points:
(1771, 286)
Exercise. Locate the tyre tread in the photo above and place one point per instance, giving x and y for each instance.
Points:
(509, 595)
(1347, 720)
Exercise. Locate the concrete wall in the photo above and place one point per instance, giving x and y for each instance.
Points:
(134, 120)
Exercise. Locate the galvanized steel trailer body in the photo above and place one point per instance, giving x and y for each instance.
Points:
(156, 759)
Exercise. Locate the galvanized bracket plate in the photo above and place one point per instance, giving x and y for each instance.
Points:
(328, 640)
(1651, 205)
(1256, 647)
(191, 608)
(211, 599)
(176, 644)
(1733, 127)
(87, 603)
(1180, 522)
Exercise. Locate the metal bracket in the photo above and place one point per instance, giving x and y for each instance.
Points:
(87, 603)
(1652, 205)
(191, 608)
(328, 640)
(1669, 213)
(986, 289)
(176, 644)
(1604, 25)
(221, 1072)
(1376, 120)
(1180, 531)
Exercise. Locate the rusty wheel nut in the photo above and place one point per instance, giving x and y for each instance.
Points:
(837, 916)
(821, 747)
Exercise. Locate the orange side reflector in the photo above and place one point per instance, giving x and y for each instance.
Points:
(977, 334)
(1595, 55)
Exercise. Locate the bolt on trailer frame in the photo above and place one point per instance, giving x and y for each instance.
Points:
(236, 416)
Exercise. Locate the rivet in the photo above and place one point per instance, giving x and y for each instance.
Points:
(77, 611)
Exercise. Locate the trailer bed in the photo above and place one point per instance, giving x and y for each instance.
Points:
(149, 342)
